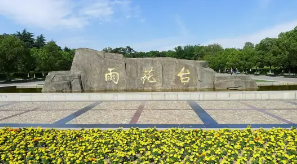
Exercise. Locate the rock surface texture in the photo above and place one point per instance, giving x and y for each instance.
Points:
(240, 82)
(93, 71)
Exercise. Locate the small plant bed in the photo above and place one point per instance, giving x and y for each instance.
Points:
(36, 145)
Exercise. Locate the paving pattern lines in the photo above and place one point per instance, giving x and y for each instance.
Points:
(142, 114)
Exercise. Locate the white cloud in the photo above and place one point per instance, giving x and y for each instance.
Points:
(50, 14)
(97, 9)
(238, 42)
(184, 37)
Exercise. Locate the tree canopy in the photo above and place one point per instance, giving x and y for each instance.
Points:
(22, 52)
(280, 52)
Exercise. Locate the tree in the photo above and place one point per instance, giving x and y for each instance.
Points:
(198, 52)
(66, 49)
(152, 54)
(180, 54)
(288, 47)
(212, 49)
(248, 45)
(170, 53)
(26, 37)
(268, 51)
(247, 56)
(49, 57)
(12, 51)
(65, 61)
(107, 49)
(40, 41)
(233, 58)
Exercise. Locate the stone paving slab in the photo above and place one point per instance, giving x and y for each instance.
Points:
(229, 113)
(2, 103)
(295, 101)
(22, 106)
(4, 114)
(221, 105)
(271, 104)
(104, 117)
(242, 117)
(167, 105)
(187, 117)
(64, 105)
(118, 105)
(286, 114)
(169, 117)
(38, 117)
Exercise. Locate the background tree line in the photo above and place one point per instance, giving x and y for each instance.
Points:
(21, 53)
(271, 54)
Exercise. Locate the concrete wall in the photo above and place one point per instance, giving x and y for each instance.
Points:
(235, 95)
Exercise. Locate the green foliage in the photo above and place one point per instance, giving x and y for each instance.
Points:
(248, 56)
(12, 53)
(49, 57)
(26, 37)
(21, 52)
(40, 41)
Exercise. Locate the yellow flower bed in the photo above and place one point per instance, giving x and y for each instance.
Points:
(36, 145)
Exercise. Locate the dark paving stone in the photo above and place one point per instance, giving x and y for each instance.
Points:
(202, 114)
(137, 114)
(76, 114)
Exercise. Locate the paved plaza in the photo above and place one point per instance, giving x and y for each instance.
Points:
(276, 78)
(143, 114)
(128, 113)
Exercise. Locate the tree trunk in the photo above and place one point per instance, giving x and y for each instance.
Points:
(7, 77)
(283, 69)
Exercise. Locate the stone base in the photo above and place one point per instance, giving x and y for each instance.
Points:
(240, 82)
(62, 81)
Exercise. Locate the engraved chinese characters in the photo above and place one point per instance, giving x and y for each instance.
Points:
(148, 75)
(112, 76)
(181, 74)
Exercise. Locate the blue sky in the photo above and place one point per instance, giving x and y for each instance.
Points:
(149, 24)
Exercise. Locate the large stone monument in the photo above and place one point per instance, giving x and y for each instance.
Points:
(93, 71)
